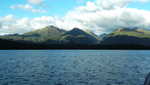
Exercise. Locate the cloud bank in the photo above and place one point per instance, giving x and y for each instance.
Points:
(99, 16)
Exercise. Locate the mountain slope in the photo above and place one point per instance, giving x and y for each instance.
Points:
(78, 36)
(126, 36)
(140, 33)
(53, 35)
(54, 38)
(49, 34)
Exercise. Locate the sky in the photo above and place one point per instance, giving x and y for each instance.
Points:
(19, 8)
(99, 16)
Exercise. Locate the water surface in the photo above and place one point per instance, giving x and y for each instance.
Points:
(73, 67)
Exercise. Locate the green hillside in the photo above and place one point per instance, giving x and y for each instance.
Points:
(54, 35)
(140, 33)
(38, 36)
(126, 36)
(78, 36)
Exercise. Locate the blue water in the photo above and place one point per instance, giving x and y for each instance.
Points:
(73, 67)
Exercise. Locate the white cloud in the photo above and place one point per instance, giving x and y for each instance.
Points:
(9, 24)
(27, 7)
(108, 20)
(8, 18)
(100, 16)
(107, 15)
(35, 1)
(112, 4)
(90, 7)
(14, 25)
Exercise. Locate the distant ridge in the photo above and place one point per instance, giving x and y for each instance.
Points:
(52, 37)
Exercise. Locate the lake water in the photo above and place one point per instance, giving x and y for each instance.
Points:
(73, 67)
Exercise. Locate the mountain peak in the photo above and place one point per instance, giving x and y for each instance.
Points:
(49, 32)
(51, 27)
(76, 31)
(140, 30)
(46, 30)
(78, 36)
(124, 29)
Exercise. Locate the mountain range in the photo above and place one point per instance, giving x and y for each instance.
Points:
(52, 37)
